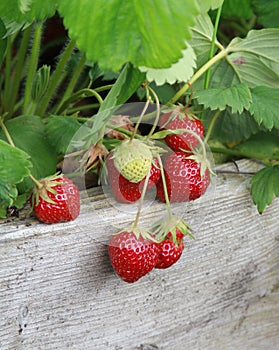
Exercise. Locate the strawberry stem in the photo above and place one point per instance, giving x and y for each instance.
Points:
(204, 160)
(148, 100)
(156, 121)
(7, 134)
(165, 188)
(135, 224)
(191, 95)
(124, 131)
(212, 46)
(198, 74)
(83, 93)
(199, 140)
(36, 182)
(211, 125)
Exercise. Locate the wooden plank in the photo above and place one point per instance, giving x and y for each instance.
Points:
(58, 290)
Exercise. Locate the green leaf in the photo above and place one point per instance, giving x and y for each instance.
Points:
(237, 97)
(22, 11)
(223, 75)
(13, 27)
(58, 125)
(237, 8)
(263, 145)
(3, 42)
(265, 186)
(231, 128)
(267, 12)
(178, 72)
(18, 202)
(28, 134)
(201, 39)
(3, 210)
(126, 84)
(95, 71)
(21, 199)
(149, 33)
(265, 106)
(15, 166)
(8, 193)
(206, 5)
(255, 59)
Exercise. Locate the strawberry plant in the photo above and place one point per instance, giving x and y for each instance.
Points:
(215, 60)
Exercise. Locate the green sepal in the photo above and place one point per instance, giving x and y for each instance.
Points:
(47, 185)
(163, 133)
(138, 232)
(162, 229)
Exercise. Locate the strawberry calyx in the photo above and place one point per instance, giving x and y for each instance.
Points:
(43, 186)
(203, 161)
(162, 230)
(138, 232)
(199, 155)
(179, 112)
(166, 132)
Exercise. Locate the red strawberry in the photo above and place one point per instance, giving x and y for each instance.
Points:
(179, 120)
(169, 250)
(154, 176)
(125, 191)
(131, 255)
(183, 178)
(57, 200)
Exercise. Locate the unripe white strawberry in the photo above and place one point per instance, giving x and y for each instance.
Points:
(133, 159)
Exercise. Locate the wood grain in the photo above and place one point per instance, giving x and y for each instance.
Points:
(58, 290)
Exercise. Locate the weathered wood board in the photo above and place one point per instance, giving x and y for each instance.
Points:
(58, 290)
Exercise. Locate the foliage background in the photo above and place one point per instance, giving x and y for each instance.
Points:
(227, 51)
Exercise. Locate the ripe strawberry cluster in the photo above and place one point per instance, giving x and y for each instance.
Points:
(133, 256)
(182, 174)
(185, 177)
(134, 167)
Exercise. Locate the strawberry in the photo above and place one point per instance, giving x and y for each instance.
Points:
(133, 158)
(126, 191)
(169, 250)
(154, 175)
(179, 120)
(132, 256)
(55, 199)
(185, 178)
